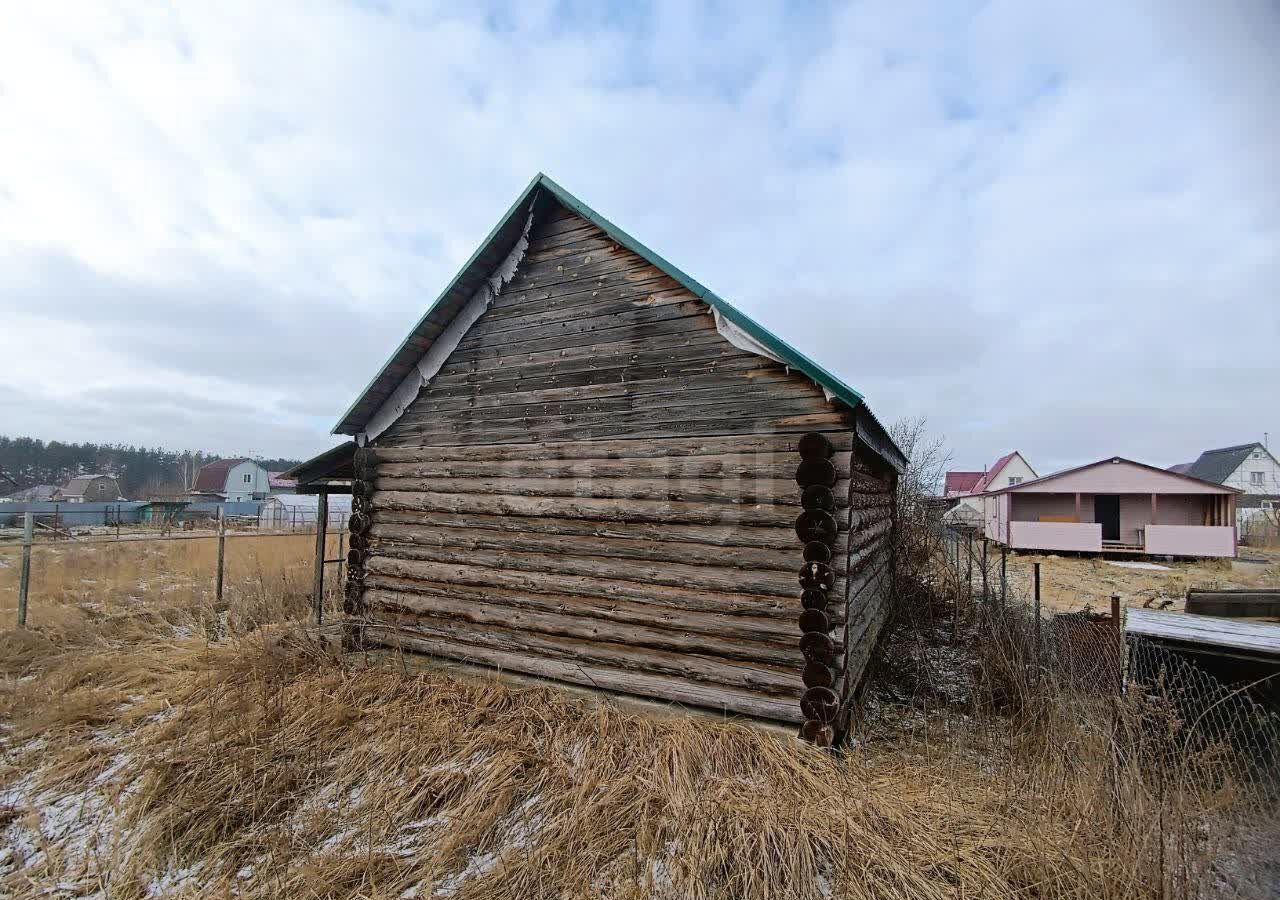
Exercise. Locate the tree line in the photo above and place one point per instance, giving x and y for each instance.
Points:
(140, 471)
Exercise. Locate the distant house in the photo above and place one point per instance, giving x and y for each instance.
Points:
(90, 489)
(35, 494)
(279, 484)
(1249, 468)
(232, 480)
(958, 483)
(1117, 505)
(967, 488)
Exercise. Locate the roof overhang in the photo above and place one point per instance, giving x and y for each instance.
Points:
(331, 472)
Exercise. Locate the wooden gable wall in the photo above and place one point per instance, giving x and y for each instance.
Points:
(598, 487)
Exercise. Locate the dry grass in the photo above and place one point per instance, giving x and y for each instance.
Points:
(142, 759)
(1070, 583)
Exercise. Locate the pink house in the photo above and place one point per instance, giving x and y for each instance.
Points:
(1115, 505)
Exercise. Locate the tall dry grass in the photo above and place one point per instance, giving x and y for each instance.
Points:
(145, 759)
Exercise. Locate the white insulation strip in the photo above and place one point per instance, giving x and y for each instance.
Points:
(448, 340)
(743, 341)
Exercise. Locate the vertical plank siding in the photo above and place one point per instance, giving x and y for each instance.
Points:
(598, 488)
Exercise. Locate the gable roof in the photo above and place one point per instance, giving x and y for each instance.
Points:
(1037, 482)
(212, 477)
(540, 194)
(960, 482)
(1217, 465)
(1180, 468)
(78, 485)
(985, 481)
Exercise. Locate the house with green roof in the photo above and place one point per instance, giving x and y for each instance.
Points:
(582, 464)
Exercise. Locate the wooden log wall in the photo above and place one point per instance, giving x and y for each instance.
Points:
(598, 488)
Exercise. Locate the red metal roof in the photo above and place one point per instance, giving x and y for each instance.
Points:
(960, 482)
(985, 481)
(212, 477)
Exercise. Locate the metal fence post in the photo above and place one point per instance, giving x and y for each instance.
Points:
(222, 544)
(24, 579)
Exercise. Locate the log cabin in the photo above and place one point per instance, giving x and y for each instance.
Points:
(583, 465)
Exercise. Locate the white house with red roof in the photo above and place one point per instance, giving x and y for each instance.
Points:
(968, 488)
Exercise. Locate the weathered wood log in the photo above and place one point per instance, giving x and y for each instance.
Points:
(816, 525)
(760, 465)
(814, 620)
(817, 675)
(631, 448)
(820, 703)
(666, 688)
(816, 472)
(774, 630)
(352, 595)
(359, 541)
(676, 512)
(816, 576)
(817, 648)
(757, 677)
(597, 385)
(358, 523)
(393, 605)
(355, 558)
(546, 583)
(692, 419)
(706, 422)
(724, 535)
(360, 488)
(365, 461)
(815, 446)
(814, 600)
(817, 551)
(710, 490)
(609, 545)
(748, 393)
(767, 583)
(819, 496)
(817, 733)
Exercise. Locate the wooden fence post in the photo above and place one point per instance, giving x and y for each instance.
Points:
(222, 544)
(986, 597)
(969, 570)
(1004, 575)
(24, 579)
(1037, 594)
(322, 523)
(1119, 645)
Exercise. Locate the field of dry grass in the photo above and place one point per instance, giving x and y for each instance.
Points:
(142, 758)
(1069, 583)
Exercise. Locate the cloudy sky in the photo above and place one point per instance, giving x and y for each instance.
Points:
(1056, 229)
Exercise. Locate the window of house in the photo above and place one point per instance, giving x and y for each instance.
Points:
(1015, 479)
(248, 478)
(1257, 477)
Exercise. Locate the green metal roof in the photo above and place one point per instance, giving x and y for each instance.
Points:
(537, 195)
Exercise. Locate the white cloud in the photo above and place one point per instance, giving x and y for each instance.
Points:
(1051, 229)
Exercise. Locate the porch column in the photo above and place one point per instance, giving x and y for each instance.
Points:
(1154, 510)
(1077, 506)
